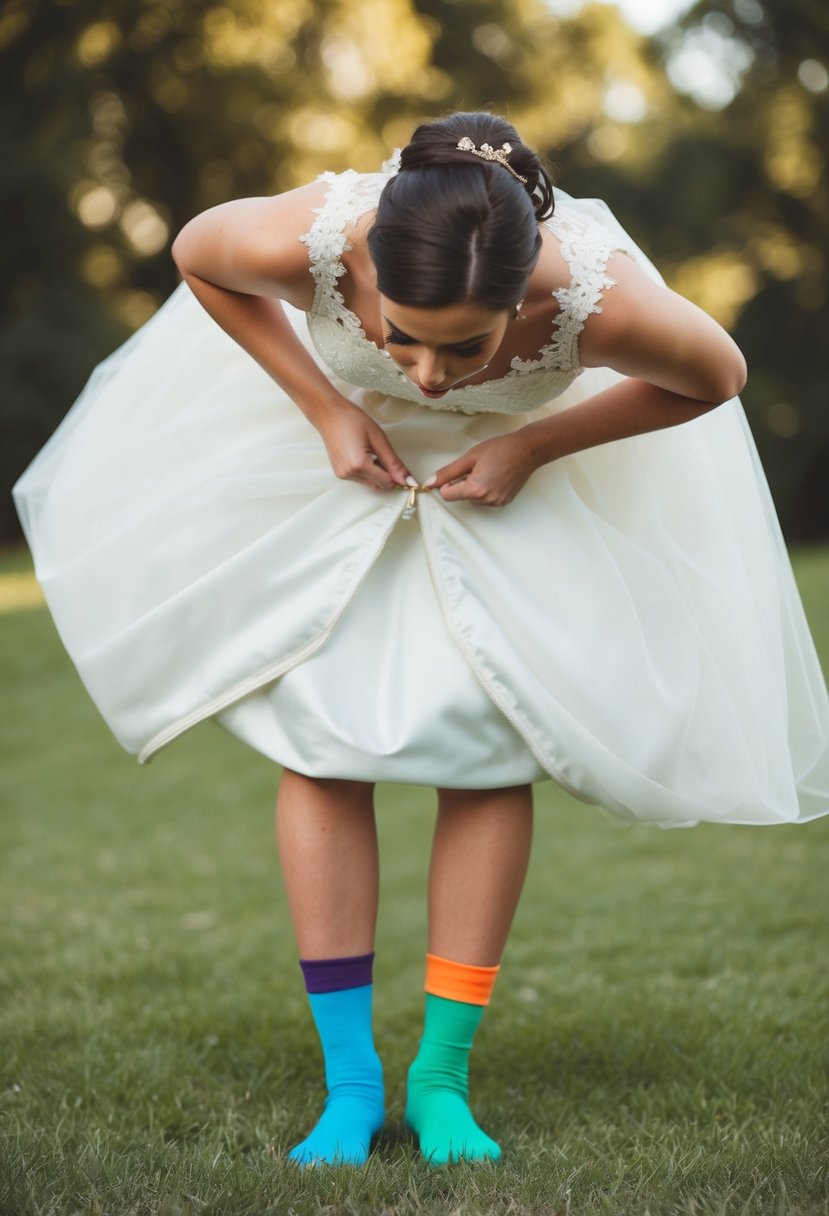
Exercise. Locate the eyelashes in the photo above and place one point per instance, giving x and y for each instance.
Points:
(395, 339)
(465, 352)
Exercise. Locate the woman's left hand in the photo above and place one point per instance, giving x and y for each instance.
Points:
(490, 474)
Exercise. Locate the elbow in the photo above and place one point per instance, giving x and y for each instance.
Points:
(182, 248)
(731, 379)
(177, 251)
(739, 375)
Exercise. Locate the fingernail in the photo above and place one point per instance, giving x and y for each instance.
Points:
(431, 480)
(410, 481)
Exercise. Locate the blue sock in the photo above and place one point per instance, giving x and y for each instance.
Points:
(354, 1109)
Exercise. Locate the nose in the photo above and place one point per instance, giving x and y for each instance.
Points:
(430, 370)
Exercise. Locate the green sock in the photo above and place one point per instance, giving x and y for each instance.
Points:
(437, 1108)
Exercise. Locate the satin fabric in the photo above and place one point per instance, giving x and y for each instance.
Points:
(629, 625)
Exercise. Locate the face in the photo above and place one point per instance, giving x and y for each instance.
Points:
(439, 348)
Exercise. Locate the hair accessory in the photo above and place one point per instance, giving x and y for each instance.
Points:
(487, 152)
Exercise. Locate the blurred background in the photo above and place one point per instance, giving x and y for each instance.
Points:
(705, 126)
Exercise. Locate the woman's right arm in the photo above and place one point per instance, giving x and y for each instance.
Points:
(241, 260)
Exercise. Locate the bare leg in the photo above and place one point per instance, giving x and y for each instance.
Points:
(328, 849)
(327, 842)
(480, 853)
(479, 860)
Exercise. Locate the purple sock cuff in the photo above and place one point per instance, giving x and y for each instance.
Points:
(336, 974)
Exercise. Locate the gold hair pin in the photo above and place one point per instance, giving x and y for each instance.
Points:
(487, 152)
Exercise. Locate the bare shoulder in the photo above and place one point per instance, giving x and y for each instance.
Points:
(254, 245)
(648, 331)
(632, 302)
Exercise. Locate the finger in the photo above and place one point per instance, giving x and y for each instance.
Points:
(376, 476)
(461, 467)
(459, 490)
(367, 469)
(364, 481)
(388, 460)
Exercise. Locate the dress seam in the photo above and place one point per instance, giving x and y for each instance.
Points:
(477, 669)
(271, 671)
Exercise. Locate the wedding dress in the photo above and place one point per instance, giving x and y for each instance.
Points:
(628, 626)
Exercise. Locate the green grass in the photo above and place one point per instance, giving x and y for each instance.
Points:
(657, 1044)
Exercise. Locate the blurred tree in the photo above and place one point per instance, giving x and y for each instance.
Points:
(777, 128)
(727, 187)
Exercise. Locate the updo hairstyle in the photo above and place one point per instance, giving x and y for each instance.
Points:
(452, 227)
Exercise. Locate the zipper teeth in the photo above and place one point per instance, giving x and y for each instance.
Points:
(265, 676)
(476, 668)
(274, 670)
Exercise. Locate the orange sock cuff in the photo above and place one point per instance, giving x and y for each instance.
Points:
(459, 981)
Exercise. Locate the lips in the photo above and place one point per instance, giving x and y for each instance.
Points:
(431, 392)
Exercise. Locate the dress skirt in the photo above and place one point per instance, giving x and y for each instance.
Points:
(629, 626)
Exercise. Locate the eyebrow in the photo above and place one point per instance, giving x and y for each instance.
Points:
(403, 334)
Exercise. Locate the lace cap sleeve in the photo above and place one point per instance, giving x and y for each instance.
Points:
(585, 247)
(349, 195)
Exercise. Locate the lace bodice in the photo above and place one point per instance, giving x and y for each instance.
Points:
(343, 345)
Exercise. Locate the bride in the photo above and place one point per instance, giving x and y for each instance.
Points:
(425, 476)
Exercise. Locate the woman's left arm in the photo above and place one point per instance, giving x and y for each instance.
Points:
(678, 364)
(647, 331)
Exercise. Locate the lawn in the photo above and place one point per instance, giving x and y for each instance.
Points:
(657, 1042)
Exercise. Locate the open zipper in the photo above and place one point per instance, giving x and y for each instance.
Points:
(475, 666)
(274, 670)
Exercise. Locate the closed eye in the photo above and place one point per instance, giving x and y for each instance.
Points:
(397, 339)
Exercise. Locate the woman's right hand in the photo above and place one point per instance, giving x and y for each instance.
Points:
(242, 259)
(359, 449)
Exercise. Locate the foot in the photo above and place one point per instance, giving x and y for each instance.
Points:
(444, 1125)
(344, 1132)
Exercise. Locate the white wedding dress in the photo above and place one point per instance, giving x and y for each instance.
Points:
(628, 626)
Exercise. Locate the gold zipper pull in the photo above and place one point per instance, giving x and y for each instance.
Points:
(411, 502)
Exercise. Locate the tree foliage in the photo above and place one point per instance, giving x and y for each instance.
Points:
(123, 118)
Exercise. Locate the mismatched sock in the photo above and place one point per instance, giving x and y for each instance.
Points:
(437, 1104)
(340, 993)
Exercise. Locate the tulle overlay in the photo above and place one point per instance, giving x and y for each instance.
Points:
(628, 626)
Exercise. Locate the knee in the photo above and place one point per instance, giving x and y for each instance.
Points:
(463, 798)
(330, 787)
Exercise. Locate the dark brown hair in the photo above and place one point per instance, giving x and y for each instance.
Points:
(451, 226)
